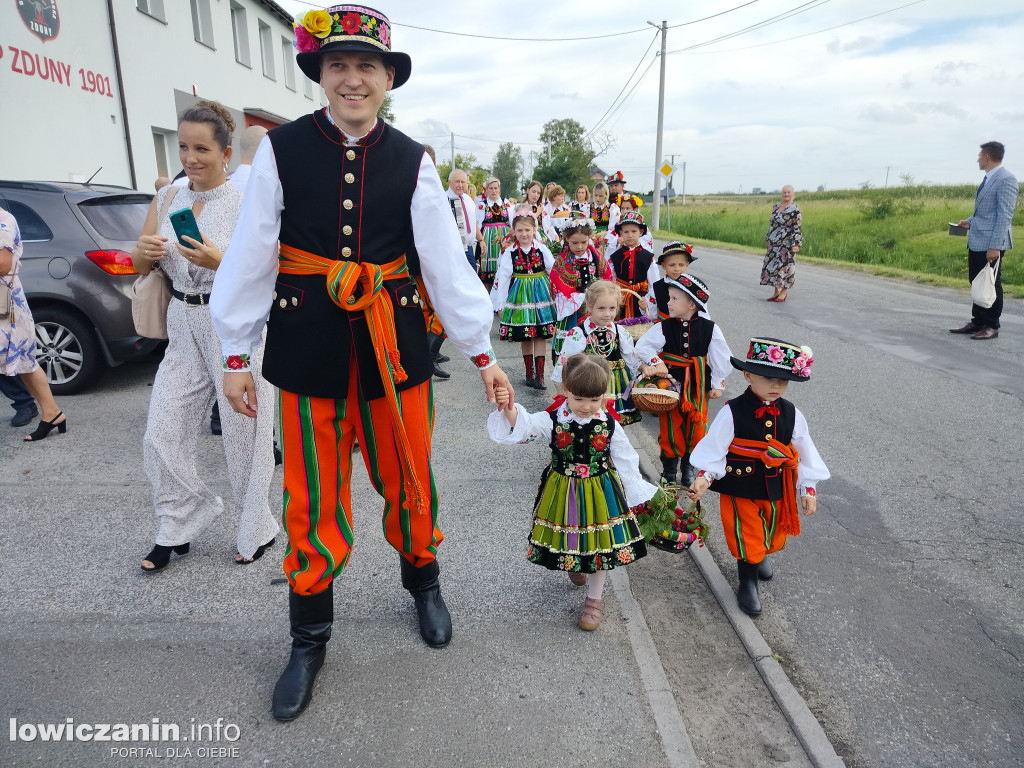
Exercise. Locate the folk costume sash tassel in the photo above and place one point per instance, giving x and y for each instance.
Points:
(775, 454)
(344, 280)
(693, 395)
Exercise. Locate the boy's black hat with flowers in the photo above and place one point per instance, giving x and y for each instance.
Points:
(776, 359)
(693, 287)
(347, 28)
(677, 248)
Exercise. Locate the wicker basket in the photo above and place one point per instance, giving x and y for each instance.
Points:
(636, 330)
(650, 398)
(689, 529)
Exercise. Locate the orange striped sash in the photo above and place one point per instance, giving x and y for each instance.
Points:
(344, 279)
(693, 395)
(775, 454)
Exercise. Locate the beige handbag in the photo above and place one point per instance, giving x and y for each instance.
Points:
(6, 297)
(151, 294)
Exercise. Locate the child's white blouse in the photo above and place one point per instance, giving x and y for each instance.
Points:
(710, 453)
(649, 347)
(537, 427)
(576, 341)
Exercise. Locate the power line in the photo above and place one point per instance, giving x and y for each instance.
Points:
(797, 37)
(616, 99)
(620, 105)
(759, 25)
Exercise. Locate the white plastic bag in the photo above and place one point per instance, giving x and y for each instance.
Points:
(983, 286)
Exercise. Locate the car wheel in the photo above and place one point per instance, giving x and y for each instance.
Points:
(66, 350)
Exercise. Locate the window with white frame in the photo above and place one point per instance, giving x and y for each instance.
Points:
(202, 22)
(267, 49)
(240, 34)
(154, 8)
(288, 63)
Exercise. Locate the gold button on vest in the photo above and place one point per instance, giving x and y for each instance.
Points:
(350, 155)
(283, 303)
(347, 205)
(768, 423)
(346, 230)
(349, 178)
(346, 251)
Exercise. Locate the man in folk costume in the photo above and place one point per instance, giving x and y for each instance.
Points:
(353, 202)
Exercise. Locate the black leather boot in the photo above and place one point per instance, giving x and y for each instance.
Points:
(746, 596)
(669, 468)
(311, 618)
(425, 587)
(434, 343)
(765, 571)
(686, 473)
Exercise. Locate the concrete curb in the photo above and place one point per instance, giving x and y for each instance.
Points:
(674, 738)
(800, 718)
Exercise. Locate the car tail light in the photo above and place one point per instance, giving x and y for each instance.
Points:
(112, 262)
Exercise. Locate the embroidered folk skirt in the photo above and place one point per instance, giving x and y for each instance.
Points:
(583, 524)
(529, 311)
(494, 234)
(620, 382)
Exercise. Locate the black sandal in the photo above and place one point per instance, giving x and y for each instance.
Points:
(45, 427)
(256, 555)
(160, 556)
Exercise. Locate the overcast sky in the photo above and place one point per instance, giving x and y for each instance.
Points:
(914, 90)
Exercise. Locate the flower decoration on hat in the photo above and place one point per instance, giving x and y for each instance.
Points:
(617, 177)
(692, 286)
(632, 217)
(679, 248)
(775, 358)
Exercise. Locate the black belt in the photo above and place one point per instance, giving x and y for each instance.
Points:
(195, 299)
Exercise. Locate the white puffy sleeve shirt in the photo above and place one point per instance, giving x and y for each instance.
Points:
(649, 346)
(536, 427)
(244, 286)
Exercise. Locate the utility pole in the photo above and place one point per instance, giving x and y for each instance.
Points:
(887, 176)
(668, 199)
(656, 218)
(453, 153)
(684, 182)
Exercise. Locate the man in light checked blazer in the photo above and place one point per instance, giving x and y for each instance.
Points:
(989, 237)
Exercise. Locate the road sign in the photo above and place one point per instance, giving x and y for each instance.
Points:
(667, 170)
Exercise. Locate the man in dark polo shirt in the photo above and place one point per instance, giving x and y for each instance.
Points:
(353, 202)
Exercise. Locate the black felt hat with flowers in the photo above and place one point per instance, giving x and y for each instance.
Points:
(776, 359)
(347, 29)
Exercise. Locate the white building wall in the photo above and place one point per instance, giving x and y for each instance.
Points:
(61, 132)
(53, 129)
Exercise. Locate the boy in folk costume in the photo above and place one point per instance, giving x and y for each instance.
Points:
(346, 339)
(683, 345)
(758, 455)
(675, 260)
(631, 263)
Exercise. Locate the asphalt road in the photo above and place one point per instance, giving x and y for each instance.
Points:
(898, 612)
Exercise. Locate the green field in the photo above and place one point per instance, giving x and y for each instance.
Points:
(900, 231)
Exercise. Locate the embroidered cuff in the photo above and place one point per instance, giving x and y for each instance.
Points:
(484, 359)
(709, 476)
(808, 491)
(236, 363)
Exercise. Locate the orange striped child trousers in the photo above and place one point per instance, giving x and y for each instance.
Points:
(750, 527)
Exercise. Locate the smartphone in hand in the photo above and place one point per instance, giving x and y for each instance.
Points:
(184, 223)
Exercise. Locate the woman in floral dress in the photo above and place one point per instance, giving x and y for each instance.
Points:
(784, 239)
(18, 334)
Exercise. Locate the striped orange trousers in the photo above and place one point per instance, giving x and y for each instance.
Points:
(750, 527)
(680, 432)
(316, 439)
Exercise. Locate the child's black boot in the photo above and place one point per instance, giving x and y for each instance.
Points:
(686, 473)
(669, 468)
(746, 596)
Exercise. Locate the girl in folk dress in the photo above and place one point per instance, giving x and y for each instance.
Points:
(598, 334)
(576, 267)
(494, 215)
(583, 519)
(522, 293)
(600, 212)
(581, 200)
(784, 240)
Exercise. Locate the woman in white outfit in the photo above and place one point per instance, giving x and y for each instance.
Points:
(190, 376)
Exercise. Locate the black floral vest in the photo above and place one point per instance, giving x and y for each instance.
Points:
(527, 263)
(581, 450)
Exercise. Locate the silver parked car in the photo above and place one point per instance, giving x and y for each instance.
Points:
(77, 273)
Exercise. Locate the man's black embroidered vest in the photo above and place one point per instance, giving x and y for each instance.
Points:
(343, 203)
(750, 478)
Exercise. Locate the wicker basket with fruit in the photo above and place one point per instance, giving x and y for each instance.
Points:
(655, 394)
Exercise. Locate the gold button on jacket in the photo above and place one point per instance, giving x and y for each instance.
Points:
(349, 178)
(350, 155)
(347, 205)
(346, 230)
(346, 251)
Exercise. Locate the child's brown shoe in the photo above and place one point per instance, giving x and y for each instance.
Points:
(592, 614)
(579, 579)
